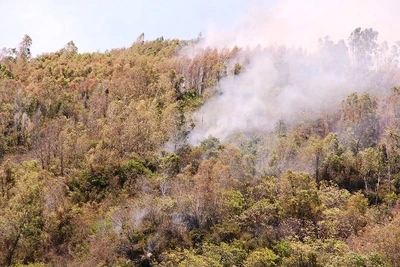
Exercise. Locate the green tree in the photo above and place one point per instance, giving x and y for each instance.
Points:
(299, 197)
(359, 121)
(21, 220)
(262, 258)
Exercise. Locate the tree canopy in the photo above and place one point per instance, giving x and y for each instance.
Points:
(96, 168)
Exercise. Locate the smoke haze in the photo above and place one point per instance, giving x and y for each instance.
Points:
(291, 74)
(300, 23)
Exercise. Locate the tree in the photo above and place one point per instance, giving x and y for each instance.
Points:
(334, 57)
(232, 254)
(391, 153)
(70, 48)
(299, 196)
(24, 49)
(21, 220)
(369, 166)
(363, 47)
(359, 121)
(261, 220)
(140, 39)
(354, 217)
(187, 258)
(261, 258)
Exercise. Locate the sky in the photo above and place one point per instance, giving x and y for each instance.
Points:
(300, 23)
(98, 25)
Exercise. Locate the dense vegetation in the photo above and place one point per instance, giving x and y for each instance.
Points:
(86, 178)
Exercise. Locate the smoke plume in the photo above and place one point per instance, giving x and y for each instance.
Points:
(303, 57)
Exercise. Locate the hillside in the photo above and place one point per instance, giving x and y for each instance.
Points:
(169, 153)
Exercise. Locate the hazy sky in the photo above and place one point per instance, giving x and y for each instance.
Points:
(104, 24)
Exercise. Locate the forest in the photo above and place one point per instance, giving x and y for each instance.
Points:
(105, 160)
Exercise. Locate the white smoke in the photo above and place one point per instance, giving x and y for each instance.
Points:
(290, 83)
(300, 23)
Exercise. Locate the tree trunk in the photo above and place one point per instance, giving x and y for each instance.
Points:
(12, 250)
(377, 190)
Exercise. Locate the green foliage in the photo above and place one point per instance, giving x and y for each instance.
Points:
(226, 254)
(188, 258)
(354, 259)
(211, 146)
(237, 69)
(21, 218)
(232, 203)
(262, 257)
(136, 167)
(85, 179)
(311, 252)
(168, 164)
(299, 196)
(191, 101)
(5, 73)
(261, 218)
(37, 264)
(251, 146)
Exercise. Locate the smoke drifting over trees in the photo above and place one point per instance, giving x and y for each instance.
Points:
(289, 79)
(202, 153)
